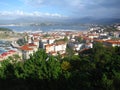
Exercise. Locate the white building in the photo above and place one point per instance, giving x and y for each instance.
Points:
(118, 27)
(27, 49)
(56, 48)
(76, 46)
(88, 45)
(51, 41)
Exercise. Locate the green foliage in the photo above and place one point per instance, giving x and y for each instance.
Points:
(65, 65)
(22, 41)
(5, 29)
(93, 69)
(46, 35)
(5, 33)
(69, 52)
(65, 39)
(79, 39)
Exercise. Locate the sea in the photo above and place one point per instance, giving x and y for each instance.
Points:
(27, 28)
(45, 28)
(5, 46)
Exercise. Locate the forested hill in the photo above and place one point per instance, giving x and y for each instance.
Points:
(94, 69)
(5, 29)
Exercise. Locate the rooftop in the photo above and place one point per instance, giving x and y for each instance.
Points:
(26, 48)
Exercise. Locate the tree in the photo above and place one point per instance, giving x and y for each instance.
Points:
(65, 39)
(79, 39)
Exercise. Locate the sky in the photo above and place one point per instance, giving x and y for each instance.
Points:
(13, 9)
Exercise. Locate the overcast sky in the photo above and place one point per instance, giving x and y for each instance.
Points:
(12, 9)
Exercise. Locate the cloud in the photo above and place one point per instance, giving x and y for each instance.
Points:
(111, 4)
(65, 3)
(62, 8)
(19, 13)
(80, 7)
(97, 8)
(35, 3)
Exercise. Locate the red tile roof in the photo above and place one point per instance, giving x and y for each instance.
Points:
(4, 54)
(35, 34)
(86, 38)
(49, 45)
(60, 42)
(53, 52)
(1, 56)
(26, 48)
(113, 41)
(11, 51)
(32, 44)
(98, 40)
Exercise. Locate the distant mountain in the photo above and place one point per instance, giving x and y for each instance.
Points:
(5, 30)
(86, 20)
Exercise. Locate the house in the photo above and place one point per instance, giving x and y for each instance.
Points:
(44, 40)
(36, 35)
(117, 34)
(53, 53)
(30, 38)
(50, 48)
(98, 41)
(50, 40)
(43, 44)
(112, 43)
(34, 46)
(76, 46)
(93, 36)
(5, 55)
(26, 51)
(86, 39)
(88, 45)
(61, 45)
(118, 27)
(36, 42)
(105, 37)
(54, 49)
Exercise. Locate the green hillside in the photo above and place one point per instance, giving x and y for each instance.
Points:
(5, 29)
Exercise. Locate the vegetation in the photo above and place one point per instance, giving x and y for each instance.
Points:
(5, 33)
(5, 29)
(79, 39)
(46, 35)
(21, 41)
(93, 69)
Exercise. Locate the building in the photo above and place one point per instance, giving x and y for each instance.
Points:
(88, 45)
(50, 40)
(25, 50)
(54, 49)
(7, 54)
(76, 46)
(112, 43)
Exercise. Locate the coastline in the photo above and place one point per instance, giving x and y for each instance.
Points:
(9, 39)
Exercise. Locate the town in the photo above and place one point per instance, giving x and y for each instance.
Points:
(57, 42)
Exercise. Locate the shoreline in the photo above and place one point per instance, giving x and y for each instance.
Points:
(9, 39)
